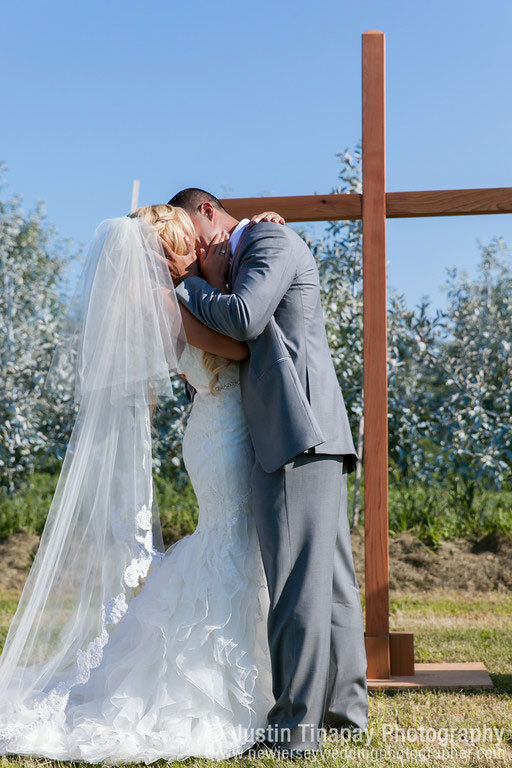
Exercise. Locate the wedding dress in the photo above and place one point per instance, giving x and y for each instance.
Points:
(182, 667)
(187, 669)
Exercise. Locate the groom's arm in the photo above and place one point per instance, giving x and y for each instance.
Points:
(265, 270)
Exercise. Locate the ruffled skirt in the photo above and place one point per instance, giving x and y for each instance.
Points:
(186, 670)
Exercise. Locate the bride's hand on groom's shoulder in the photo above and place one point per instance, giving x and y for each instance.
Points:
(266, 216)
(180, 266)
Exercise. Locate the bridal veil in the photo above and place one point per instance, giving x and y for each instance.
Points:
(120, 343)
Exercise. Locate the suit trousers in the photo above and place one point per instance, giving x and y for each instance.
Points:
(315, 622)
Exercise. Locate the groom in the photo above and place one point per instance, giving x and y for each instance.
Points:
(267, 293)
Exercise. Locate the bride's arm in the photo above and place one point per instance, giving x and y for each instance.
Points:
(199, 335)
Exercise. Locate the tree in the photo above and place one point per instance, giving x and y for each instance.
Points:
(32, 270)
(474, 413)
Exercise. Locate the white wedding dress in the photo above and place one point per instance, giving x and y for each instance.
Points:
(186, 671)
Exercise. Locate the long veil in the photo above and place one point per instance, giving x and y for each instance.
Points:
(122, 338)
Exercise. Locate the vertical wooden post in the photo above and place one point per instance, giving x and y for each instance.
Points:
(375, 357)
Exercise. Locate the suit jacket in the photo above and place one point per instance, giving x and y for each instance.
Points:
(291, 396)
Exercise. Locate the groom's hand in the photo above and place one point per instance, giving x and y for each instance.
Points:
(215, 261)
(180, 265)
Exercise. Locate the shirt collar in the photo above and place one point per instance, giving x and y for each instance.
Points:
(237, 234)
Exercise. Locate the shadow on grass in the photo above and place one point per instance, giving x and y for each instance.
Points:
(502, 684)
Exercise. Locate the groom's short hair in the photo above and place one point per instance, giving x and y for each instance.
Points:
(191, 199)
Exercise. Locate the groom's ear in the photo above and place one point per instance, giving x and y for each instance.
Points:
(207, 209)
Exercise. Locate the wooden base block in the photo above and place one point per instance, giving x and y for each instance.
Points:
(401, 652)
(472, 674)
(391, 653)
(377, 655)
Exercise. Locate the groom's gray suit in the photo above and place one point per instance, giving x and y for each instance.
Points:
(304, 450)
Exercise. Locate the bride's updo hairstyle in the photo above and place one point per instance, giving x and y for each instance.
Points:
(172, 224)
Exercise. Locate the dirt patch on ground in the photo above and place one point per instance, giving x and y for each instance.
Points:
(16, 556)
(481, 564)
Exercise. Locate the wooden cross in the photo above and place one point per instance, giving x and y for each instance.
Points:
(388, 654)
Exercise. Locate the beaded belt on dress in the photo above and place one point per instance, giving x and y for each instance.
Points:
(225, 386)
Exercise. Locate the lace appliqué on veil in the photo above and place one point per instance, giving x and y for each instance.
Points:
(112, 612)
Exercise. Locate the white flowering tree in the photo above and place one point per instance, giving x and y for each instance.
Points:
(474, 363)
(32, 264)
(450, 378)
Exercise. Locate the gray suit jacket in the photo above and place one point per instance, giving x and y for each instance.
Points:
(290, 393)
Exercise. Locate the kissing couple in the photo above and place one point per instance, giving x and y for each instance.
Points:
(249, 631)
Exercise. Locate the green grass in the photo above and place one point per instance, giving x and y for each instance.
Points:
(447, 626)
(28, 508)
(431, 511)
(438, 511)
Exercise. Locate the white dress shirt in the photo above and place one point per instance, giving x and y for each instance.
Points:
(235, 237)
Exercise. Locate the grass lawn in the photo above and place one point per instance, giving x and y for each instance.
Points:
(410, 728)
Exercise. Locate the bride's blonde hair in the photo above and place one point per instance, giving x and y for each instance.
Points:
(172, 224)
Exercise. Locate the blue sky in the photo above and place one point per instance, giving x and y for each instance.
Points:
(248, 98)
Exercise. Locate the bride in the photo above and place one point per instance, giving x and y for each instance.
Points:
(119, 651)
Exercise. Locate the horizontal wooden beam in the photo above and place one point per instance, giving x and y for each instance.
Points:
(348, 206)
(448, 202)
(299, 207)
